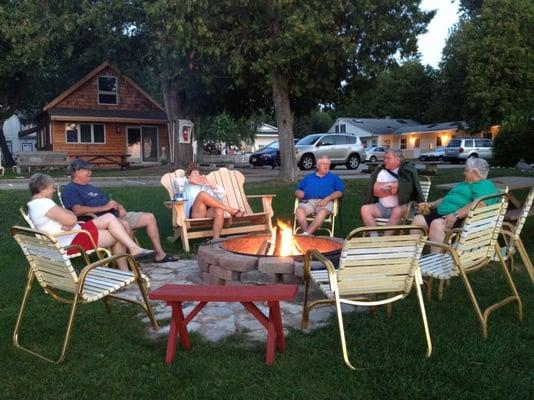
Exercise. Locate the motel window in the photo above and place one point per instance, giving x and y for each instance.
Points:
(85, 133)
(403, 144)
(107, 90)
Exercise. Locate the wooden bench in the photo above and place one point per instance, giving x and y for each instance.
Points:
(175, 295)
(106, 159)
(39, 159)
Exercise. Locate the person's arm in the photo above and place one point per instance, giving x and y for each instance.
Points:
(299, 194)
(335, 195)
(63, 216)
(383, 189)
(79, 209)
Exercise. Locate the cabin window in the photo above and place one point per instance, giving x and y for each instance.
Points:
(386, 142)
(403, 144)
(107, 90)
(343, 128)
(85, 133)
(438, 141)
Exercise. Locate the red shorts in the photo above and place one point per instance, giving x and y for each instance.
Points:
(81, 239)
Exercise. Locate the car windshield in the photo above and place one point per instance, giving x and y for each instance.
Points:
(273, 145)
(310, 139)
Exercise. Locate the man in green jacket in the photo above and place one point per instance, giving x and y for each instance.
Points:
(391, 186)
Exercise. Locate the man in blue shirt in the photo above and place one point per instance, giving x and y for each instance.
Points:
(82, 198)
(316, 193)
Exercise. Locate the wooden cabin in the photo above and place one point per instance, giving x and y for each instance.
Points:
(105, 117)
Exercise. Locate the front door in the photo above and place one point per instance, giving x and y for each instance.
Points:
(134, 145)
(143, 144)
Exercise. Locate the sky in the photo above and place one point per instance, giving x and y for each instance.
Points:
(431, 43)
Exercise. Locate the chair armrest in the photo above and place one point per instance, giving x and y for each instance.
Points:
(106, 261)
(258, 196)
(178, 211)
(312, 255)
(266, 202)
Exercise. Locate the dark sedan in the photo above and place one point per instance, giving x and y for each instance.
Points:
(269, 155)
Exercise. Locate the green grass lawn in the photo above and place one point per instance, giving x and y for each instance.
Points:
(111, 358)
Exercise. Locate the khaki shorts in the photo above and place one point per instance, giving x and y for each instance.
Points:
(132, 217)
(312, 206)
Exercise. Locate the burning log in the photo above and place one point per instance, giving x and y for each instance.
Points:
(277, 241)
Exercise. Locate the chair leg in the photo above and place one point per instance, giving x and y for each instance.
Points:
(423, 315)
(305, 310)
(342, 333)
(429, 282)
(440, 288)
(527, 262)
(20, 318)
(185, 240)
(142, 287)
(474, 302)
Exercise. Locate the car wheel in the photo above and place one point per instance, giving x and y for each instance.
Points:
(353, 161)
(332, 166)
(373, 159)
(307, 162)
(474, 155)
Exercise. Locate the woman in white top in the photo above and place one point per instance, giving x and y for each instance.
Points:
(106, 230)
(204, 199)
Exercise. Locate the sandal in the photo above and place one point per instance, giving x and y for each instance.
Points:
(166, 259)
(238, 213)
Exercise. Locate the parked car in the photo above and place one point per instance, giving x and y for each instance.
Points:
(460, 149)
(342, 149)
(375, 153)
(268, 155)
(437, 155)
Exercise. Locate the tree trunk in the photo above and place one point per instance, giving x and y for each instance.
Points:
(284, 120)
(7, 157)
(175, 109)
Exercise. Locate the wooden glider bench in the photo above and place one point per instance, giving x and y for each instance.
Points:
(175, 295)
(39, 159)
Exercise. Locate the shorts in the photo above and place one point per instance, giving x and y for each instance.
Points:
(312, 206)
(81, 239)
(132, 217)
(385, 212)
(434, 215)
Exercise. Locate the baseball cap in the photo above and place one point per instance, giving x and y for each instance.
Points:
(77, 164)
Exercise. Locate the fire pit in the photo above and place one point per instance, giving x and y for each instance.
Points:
(262, 258)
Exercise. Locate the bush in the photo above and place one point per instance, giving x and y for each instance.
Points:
(515, 141)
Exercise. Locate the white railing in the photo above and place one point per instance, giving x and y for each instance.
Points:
(223, 159)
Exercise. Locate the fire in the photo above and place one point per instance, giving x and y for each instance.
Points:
(284, 242)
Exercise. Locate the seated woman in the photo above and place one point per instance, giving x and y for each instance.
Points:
(449, 211)
(204, 199)
(106, 230)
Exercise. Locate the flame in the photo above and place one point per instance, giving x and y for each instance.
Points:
(288, 245)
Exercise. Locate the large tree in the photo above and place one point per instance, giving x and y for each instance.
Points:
(304, 50)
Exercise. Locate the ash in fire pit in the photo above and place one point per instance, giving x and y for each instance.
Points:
(259, 258)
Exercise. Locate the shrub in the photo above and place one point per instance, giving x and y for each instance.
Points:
(515, 141)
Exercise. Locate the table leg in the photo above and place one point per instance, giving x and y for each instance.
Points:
(178, 327)
(276, 316)
(271, 340)
(171, 340)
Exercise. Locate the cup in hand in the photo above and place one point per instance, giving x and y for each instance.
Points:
(423, 208)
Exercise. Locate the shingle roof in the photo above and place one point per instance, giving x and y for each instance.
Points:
(380, 125)
(119, 114)
(442, 126)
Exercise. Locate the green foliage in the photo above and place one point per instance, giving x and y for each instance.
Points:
(224, 129)
(315, 121)
(515, 141)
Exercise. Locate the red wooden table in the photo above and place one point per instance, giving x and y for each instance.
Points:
(174, 295)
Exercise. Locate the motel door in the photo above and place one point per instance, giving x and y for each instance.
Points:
(134, 145)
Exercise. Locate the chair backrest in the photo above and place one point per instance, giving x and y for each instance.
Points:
(232, 181)
(425, 184)
(527, 205)
(480, 230)
(60, 189)
(26, 215)
(376, 265)
(167, 181)
(47, 259)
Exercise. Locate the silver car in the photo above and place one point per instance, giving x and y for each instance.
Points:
(342, 149)
(375, 153)
(460, 149)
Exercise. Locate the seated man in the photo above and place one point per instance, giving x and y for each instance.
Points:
(81, 198)
(316, 192)
(391, 186)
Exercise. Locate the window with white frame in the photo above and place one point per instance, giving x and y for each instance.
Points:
(343, 128)
(403, 144)
(85, 133)
(107, 90)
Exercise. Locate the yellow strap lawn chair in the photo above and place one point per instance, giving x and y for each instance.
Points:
(329, 224)
(471, 248)
(52, 269)
(369, 267)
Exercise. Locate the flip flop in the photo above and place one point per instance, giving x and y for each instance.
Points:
(166, 259)
(144, 254)
(238, 213)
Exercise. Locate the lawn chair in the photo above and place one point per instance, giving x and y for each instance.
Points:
(469, 249)
(232, 181)
(425, 182)
(100, 252)
(329, 224)
(53, 270)
(368, 267)
(513, 240)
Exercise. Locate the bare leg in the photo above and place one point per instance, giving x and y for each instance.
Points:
(318, 220)
(204, 201)
(395, 218)
(437, 233)
(369, 212)
(148, 221)
(108, 222)
(301, 214)
(218, 221)
(105, 239)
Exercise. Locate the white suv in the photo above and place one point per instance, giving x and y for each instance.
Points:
(344, 149)
(463, 148)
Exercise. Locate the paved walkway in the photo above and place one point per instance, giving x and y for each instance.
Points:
(219, 320)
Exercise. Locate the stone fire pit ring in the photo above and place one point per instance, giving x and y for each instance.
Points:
(219, 266)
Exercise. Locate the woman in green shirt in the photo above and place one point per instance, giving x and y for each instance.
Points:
(449, 211)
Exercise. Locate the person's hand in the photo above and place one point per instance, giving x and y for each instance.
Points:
(323, 202)
(424, 208)
(450, 220)
(112, 204)
(67, 227)
(122, 211)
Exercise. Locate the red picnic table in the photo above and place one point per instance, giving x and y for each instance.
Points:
(175, 295)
